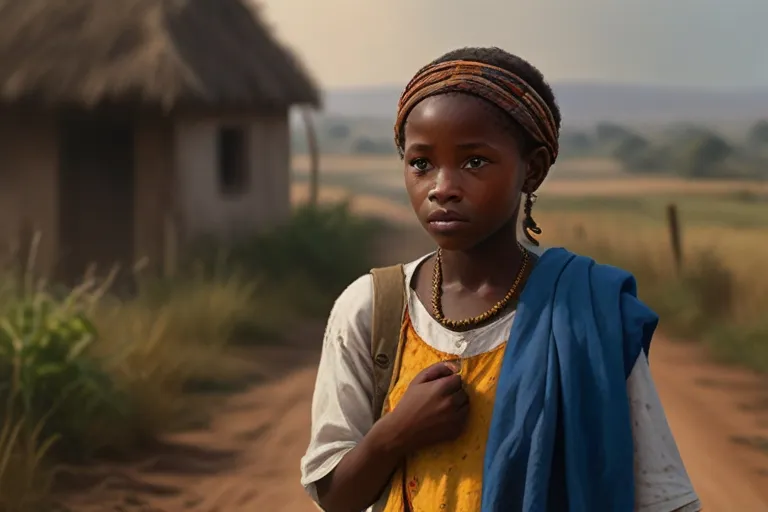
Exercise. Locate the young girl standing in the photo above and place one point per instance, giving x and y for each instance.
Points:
(521, 379)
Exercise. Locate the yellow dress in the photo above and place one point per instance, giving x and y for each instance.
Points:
(447, 476)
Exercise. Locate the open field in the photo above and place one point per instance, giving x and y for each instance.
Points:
(594, 207)
(572, 177)
(102, 390)
(592, 185)
(718, 301)
(247, 457)
(245, 404)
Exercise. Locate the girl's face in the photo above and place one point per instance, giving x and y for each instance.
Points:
(464, 170)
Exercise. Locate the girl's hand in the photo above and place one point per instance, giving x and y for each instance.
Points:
(433, 409)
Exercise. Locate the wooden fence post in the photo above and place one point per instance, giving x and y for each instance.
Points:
(170, 246)
(673, 224)
(314, 158)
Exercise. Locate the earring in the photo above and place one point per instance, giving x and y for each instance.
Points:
(529, 225)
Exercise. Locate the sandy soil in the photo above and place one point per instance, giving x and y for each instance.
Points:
(719, 417)
(248, 458)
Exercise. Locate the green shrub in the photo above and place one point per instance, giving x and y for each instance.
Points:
(317, 253)
(158, 341)
(44, 358)
(86, 372)
(52, 389)
(83, 372)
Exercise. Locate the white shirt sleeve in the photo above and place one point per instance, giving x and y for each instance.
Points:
(661, 481)
(341, 406)
(342, 414)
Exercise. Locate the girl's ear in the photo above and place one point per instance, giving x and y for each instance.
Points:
(537, 163)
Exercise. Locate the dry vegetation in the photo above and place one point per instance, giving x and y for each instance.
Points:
(88, 375)
(587, 176)
(593, 207)
(349, 163)
(92, 375)
(718, 298)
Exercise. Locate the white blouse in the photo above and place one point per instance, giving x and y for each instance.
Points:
(342, 414)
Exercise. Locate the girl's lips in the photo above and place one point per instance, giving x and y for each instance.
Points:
(445, 216)
(446, 226)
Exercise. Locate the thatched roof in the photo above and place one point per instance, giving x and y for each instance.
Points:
(165, 52)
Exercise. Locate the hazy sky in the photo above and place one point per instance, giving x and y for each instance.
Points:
(710, 43)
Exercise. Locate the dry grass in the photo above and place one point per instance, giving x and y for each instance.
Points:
(719, 297)
(89, 374)
(588, 166)
(591, 206)
(574, 177)
(633, 186)
(742, 251)
(154, 344)
(368, 205)
(350, 163)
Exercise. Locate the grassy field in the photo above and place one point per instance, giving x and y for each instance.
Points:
(87, 375)
(576, 178)
(593, 207)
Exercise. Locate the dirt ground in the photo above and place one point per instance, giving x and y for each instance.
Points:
(719, 417)
(247, 459)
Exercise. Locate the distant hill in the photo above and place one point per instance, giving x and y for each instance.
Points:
(586, 104)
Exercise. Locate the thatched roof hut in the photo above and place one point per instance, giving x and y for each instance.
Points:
(164, 52)
(129, 126)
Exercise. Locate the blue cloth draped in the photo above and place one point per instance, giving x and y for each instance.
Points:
(560, 438)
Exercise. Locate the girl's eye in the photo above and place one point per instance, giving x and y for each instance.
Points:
(420, 164)
(476, 162)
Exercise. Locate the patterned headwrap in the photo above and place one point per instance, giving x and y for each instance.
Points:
(504, 89)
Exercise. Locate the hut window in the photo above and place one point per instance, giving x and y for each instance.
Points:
(232, 148)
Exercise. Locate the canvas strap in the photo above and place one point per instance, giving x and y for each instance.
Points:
(389, 301)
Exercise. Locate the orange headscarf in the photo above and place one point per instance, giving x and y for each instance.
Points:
(494, 84)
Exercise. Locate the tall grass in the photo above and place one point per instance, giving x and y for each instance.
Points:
(154, 343)
(305, 263)
(84, 372)
(50, 386)
(87, 371)
(718, 298)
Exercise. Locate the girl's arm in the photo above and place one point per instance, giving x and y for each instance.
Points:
(432, 410)
(661, 481)
(361, 476)
(342, 417)
(350, 460)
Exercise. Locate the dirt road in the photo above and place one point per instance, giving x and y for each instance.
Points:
(719, 417)
(248, 458)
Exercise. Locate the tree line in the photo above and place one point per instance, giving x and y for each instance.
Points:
(690, 151)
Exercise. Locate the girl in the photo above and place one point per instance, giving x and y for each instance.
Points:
(521, 380)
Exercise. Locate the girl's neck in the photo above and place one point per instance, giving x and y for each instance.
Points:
(494, 262)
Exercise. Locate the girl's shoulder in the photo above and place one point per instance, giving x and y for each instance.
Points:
(353, 308)
(357, 297)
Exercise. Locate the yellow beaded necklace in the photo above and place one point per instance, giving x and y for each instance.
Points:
(437, 287)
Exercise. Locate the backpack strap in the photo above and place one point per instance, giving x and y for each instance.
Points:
(389, 301)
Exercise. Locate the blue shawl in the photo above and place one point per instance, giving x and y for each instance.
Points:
(560, 438)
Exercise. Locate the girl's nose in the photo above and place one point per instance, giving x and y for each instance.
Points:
(446, 188)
